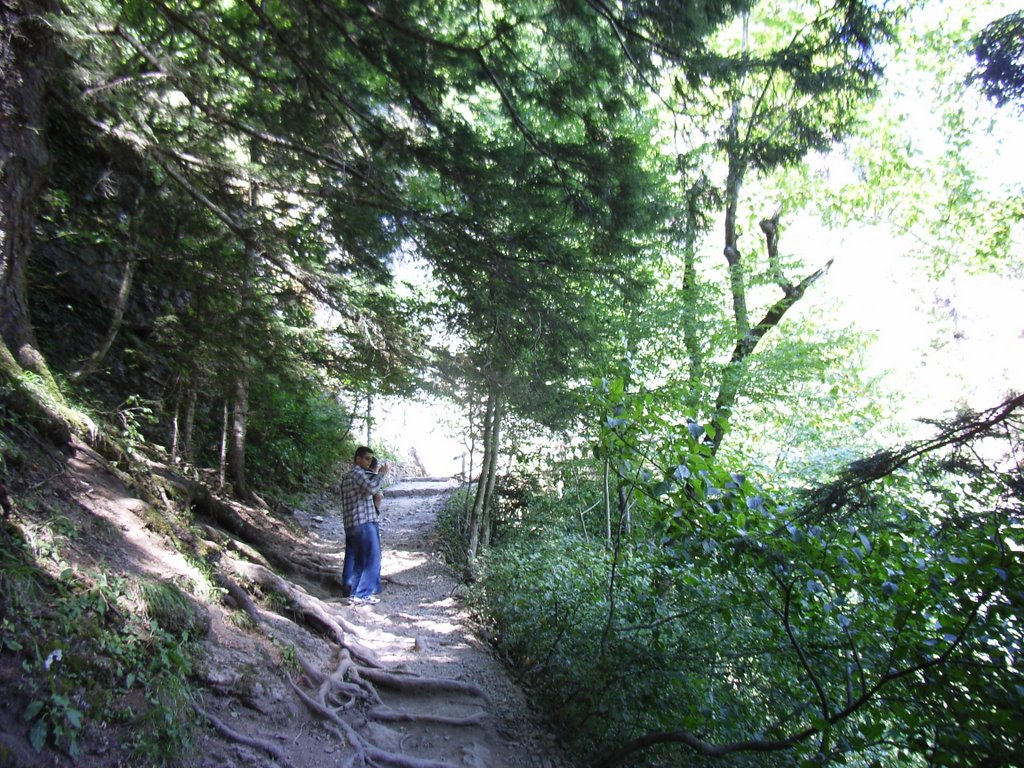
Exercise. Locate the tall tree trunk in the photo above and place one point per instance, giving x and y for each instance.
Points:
(26, 54)
(691, 340)
(222, 476)
(190, 418)
(625, 520)
(236, 448)
(181, 446)
(467, 512)
(607, 501)
(240, 398)
(476, 514)
(746, 344)
(175, 429)
(369, 416)
(733, 373)
(486, 523)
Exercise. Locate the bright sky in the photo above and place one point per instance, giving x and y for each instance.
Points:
(426, 425)
(974, 354)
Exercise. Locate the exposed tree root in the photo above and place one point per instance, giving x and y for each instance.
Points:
(397, 582)
(264, 539)
(311, 608)
(240, 596)
(388, 715)
(366, 753)
(356, 675)
(347, 696)
(409, 683)
(269, 747)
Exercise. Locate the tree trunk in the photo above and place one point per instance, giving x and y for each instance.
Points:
(236, 447)
(745, 345)
(607, 503)
(733, 373)
(190, 418)
(492, 474)
(476, 514)
(222, 476)
(691, 340)
(26, 54)
(92, 364)
(182, 440)
(175, 429)
(240, 400)
(625, 521)
(369, 416)
(467, 512)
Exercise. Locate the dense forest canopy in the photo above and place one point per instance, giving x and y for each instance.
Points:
(715, 553)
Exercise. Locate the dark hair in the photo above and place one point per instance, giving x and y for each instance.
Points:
(362, 450)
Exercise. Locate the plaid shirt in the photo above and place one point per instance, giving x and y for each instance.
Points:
(357, 489)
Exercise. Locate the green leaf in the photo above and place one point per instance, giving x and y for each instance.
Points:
(33, 709)
(872, 731)
(37, 736)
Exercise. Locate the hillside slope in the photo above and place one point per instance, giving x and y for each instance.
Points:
(266, 664)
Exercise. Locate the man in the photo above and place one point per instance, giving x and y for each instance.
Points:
(361, 574)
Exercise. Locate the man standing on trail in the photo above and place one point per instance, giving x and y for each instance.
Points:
(360, 578)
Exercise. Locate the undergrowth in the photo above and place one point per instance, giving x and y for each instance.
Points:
(96, 650)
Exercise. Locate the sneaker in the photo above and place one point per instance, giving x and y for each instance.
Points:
(371, 600)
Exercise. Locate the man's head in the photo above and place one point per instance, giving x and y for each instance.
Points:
(364, 456)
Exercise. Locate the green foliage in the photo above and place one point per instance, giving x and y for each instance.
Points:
(288, 654)
(999, 49)
(452, 526)
(172, 610)
(872, 619)
(297, 433)
(89, 654)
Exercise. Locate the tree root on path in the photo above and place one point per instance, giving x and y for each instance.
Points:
(356, 675)
(309, 607)
(422, 684)
(388, 715)
(251, 741)
(366, 753)
(253, 530)
(398, 582)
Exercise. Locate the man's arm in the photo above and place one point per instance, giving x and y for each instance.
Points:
(367, 482)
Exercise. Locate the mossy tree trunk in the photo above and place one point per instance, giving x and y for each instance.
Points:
(26, 56)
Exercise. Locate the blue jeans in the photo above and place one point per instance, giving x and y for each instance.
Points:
(360, 576)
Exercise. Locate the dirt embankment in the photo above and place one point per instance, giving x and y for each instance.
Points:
(305, 680)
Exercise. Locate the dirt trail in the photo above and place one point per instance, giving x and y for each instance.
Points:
(276, 645)
(420, 626)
